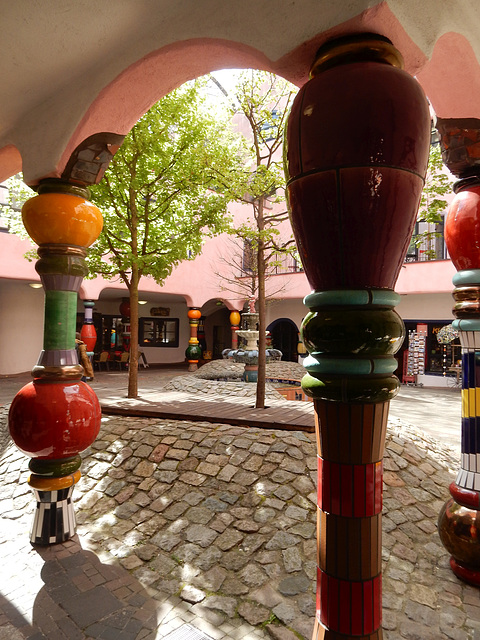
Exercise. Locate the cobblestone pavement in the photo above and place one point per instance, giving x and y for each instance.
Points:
(213, 526)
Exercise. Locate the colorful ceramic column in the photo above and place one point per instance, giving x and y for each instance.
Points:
(193, 352)
(459, 520)
(235, 325)
(88, 333)
(356, 157)
(55, 417)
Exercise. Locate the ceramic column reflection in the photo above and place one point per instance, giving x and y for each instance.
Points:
(356, 157)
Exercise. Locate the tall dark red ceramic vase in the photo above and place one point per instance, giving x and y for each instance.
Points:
(356, 157)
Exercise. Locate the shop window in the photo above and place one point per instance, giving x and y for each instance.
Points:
(158, 332)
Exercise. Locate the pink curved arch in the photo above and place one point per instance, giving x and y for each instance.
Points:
(451, 79)
(119, 105)
(10, 162)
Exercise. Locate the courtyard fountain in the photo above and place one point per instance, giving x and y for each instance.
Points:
(248, 354)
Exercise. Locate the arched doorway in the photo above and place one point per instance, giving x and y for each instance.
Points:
(284, 334)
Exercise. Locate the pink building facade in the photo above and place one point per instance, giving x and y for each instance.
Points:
(425, 289)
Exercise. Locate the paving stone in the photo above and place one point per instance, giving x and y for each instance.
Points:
(202, 535)
(292, 560)
(245, 478)
(246, 525)
(192, 595)
(145, 468)
(234, 587)
(199, 515)
(297, 513)
(293, 585)
(222, 603)
(228, 539)
(193, 478)
(254, 614)
(158, 453)
(212, 579)
(280, 633)
(282, 540)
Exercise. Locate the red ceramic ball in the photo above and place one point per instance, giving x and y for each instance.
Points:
(54, 420)
(125, 309)
(462, 229)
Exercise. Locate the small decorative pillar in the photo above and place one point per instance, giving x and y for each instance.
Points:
(235, 325)
(193, 352)
(55, 417)
(459, 520)
(356, 158)
(88, 333)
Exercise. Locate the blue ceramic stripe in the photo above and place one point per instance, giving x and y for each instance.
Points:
(352, 297)
(466, 325)
(470, 376)
(465, 431)
(470, 435)
(468, 276)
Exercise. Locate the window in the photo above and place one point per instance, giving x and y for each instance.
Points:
(158, 332)
(249, 257)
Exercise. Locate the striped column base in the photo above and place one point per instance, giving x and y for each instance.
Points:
(349, 609)
(321, 633)
(54, 520)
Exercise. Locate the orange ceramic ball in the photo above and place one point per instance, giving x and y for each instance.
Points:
(194, 314)
(235, 318)
(62, 218)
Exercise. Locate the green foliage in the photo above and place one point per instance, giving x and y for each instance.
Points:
(165, 189)
(264, 101)
(10, 214)
(438, 184)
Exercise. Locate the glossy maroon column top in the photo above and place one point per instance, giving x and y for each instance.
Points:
(357, 151)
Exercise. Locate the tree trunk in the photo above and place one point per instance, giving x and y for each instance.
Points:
(260, 401)
(133, 362)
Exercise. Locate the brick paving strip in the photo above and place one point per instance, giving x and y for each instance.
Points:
(213, 526)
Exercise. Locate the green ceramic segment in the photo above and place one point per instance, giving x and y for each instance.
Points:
(60, 319)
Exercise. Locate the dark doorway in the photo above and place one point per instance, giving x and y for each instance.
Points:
(284, 334)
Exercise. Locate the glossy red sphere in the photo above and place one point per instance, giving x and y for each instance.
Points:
(462, 229)
(125, 309)
(89, 336)
(54, 419)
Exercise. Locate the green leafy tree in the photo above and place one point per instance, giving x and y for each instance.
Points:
(438, 183)
(10, 213)
(161, 195)
(262, 100)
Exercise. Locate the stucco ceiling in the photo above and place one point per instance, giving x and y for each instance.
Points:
(71, 69)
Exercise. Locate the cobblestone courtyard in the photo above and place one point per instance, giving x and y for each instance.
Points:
(214, 526)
